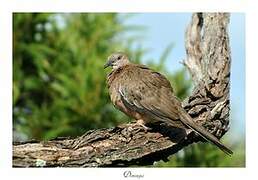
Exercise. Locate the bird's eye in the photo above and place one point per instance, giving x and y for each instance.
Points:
(119, 57)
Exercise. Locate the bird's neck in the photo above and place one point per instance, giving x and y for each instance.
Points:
(115, 73)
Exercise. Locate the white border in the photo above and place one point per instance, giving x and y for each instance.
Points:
(126, 5)
(6, 88)
(9, 6)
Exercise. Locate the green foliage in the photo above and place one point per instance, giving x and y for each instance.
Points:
(205, 155)
(59, 81)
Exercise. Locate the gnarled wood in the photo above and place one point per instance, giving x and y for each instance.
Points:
(208, 60)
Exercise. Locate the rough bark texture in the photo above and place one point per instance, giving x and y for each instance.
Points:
(208, 61)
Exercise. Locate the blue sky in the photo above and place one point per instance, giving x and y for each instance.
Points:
(163, 29)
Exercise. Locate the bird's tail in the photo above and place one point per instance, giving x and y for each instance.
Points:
(188, 121)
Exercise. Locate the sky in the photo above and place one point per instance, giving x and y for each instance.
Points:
(162, 29)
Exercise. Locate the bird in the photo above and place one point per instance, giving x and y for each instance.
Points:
(148, 97)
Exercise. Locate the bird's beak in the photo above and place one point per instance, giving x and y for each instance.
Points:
(109, 63)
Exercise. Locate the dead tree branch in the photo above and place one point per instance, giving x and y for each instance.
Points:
(208, 61)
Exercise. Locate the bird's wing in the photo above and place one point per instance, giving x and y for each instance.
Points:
(150, 93)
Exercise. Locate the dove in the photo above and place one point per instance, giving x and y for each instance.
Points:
(148, 97)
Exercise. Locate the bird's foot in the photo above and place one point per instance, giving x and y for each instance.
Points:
(141, 123)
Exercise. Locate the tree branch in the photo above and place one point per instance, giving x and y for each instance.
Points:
(208, 61)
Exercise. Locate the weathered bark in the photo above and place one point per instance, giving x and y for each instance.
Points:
(208, 60)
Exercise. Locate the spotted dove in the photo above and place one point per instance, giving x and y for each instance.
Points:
(148, 97)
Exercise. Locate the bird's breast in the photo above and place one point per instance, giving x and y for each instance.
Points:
(114, 94)
(118, 103)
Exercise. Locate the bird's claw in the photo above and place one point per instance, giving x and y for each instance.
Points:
(141, 123)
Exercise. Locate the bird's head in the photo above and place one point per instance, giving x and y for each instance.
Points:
(117, 60)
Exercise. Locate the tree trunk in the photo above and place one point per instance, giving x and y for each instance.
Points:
(208, 61)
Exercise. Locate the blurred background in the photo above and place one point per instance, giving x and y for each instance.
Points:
(59, 84)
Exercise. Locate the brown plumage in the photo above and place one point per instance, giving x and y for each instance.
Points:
(146, 95)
